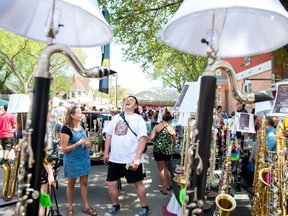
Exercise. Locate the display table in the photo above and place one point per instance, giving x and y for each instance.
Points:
(172, 165)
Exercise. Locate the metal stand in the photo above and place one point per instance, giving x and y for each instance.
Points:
(54, 211)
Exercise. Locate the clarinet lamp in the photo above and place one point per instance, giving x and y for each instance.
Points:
(76, 23)
(213, 29)
(238, 28)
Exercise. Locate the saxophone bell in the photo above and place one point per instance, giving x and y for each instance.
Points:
(225, 204)
(10, 178)
(263, 176)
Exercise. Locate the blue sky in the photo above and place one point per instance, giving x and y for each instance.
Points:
(129, 74)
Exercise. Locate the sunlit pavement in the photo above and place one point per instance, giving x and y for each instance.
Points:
(98, 195)
(99, 199)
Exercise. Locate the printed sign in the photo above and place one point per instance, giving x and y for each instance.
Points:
(245, 122)
(280, 106)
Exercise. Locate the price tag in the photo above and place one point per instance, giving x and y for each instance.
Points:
(182, 195)
(45, 200)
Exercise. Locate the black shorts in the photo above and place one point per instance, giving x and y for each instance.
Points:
(161, 157)
(7, 143)
(116, 171)
(44, 176)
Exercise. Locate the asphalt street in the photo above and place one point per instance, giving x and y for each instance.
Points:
(98, 195)
(99, 199)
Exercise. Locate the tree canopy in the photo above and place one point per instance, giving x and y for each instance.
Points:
(135, 25)
(18, 59)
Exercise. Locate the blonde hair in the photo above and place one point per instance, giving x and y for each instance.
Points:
(68, 118)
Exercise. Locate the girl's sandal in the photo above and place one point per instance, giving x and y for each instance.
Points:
(70, 212)
(90, 211)
(170, 188)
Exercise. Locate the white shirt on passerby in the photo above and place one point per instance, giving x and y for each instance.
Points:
(124, 144)
(60, 113)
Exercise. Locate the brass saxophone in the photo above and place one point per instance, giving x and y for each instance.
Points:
(224, 202)
(260, 187)
(9, 181)
(280, 172)
(271, 196)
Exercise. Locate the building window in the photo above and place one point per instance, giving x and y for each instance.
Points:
(79, 93)
(219, 98)
(247, 61)
(73, 94)
(247, 87)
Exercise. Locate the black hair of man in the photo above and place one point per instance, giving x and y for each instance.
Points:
(5, 107)
(270, 121)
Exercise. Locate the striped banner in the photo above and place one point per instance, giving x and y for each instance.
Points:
(105, 62)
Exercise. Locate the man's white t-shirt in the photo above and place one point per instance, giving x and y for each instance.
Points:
(124, 144)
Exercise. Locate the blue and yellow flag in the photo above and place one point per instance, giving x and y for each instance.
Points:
(105, 62)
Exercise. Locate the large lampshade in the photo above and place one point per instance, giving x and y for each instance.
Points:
(239, 27)
(183, 119)
(190, 101)
(19, 103)
(81, 23)
(263, 108)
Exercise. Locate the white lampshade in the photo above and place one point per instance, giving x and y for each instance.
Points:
(263, 108)
(82, 23)
(190, 100)
(19, 103)
(173, 205)
(183, 119)
(244, 27)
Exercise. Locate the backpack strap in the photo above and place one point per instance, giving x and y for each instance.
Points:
(123, 117)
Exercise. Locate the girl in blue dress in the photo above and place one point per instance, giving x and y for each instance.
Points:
(75, 146)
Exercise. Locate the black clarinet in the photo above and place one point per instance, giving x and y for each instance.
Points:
(38, 119)
(196, 173)
(200, 150)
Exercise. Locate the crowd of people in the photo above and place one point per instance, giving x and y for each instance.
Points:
(126, 130)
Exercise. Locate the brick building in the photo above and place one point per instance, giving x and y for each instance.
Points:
(254, 74)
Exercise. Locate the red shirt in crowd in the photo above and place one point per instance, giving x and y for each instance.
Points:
(7, 124)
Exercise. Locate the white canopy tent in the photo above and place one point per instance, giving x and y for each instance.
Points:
(56, 101)
(157, 97)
